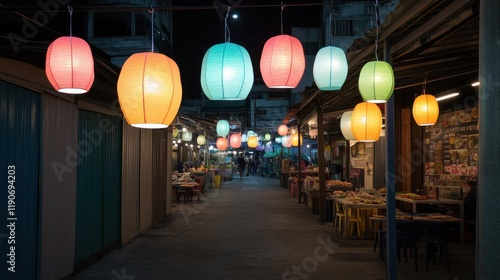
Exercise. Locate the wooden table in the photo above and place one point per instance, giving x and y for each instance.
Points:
(188, 186)
(347, 203)
(448, 201)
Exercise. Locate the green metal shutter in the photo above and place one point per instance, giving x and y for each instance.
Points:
(98, 213)
(19, 153)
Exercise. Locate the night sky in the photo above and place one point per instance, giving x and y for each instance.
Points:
(195, 31)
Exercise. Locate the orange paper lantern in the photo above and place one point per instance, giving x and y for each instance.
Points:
(296, 139)
(69, 65)
(283, 130)
(149, 90)
(366, 122)
(425, 110)
(235, 140)
(221, 143)
(253, 141)
(282, 62)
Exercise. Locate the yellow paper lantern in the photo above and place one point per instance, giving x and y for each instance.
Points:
(253, 141)
(366, 122)
(222, 143)
(149, 90)
(296, 139)
(283, 130)
(201, 140)
(425, 110)
(267, 137)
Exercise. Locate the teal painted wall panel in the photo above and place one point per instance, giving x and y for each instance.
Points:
(98, 213)
(89, 189)
(19, 158)
(112, 163)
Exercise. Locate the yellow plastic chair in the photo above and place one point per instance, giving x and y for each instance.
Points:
(355, 218)
(339, 216)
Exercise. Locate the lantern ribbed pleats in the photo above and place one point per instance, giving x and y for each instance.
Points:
(149, 90)
(425, 110)
(69, 65)
(366, 122)
(282, 63)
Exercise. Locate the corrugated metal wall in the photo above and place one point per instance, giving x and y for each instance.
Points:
(146, 180)
(144, 184)
(19, 158)
(159, 174)
(98, 208)
(130, 182)
(58, 179)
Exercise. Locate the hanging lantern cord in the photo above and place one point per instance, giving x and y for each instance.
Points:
(424, 86)
(282, 8)
(376, 22)
(227, 34)
(330, 22)
(70, 10)
(152, 12)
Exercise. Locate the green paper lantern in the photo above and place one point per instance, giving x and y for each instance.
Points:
(376, 82)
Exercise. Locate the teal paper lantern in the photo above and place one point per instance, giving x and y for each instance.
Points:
(376, 82)
(222, 128)
(226, 72)
(330, 68)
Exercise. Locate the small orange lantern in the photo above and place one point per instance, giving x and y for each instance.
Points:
(283, 130)
(222, 143)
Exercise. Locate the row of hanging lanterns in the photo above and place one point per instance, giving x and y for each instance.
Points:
(376, 85)
(227, 72)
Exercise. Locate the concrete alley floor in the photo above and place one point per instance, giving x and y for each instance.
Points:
(253, 229)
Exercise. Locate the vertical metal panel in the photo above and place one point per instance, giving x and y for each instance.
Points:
(99, 186)
(19, 153)
(111, 181)
(168, 169)
(130, 181)
(89, 193)
(488, 220)
(159, 174)
(58, 200)
(146, 182)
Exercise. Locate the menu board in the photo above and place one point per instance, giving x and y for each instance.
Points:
(451, 148)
